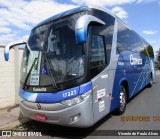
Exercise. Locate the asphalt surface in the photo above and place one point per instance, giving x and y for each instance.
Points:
(145, 105)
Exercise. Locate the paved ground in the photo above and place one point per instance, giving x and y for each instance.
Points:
(11, 117)
(146, 103)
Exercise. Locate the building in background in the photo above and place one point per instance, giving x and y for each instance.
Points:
(9, 77)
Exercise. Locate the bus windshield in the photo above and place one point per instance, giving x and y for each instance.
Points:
(54, 56)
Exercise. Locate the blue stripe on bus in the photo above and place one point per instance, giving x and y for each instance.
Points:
(85, 88)
(55, 97)
(24, 95)
(81, 35)
(6, 55)
(141, 77)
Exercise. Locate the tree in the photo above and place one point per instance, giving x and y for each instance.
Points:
(158, 59)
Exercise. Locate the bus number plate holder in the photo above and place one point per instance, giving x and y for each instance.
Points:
(42, 117)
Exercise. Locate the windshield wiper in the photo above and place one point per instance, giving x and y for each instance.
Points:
(51, 74)
(48, 61)
(29, 72)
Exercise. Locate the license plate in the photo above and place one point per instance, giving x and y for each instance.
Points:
(40, 117)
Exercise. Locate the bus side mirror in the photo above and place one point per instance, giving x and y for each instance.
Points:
(81, 27)
(10, 46)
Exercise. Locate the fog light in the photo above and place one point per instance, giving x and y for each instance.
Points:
(75, 118)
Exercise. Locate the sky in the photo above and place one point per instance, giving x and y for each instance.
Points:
(18, 17)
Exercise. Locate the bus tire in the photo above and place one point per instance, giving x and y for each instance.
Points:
(150, 82)
(122, 100)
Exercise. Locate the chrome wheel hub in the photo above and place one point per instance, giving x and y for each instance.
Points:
(122, 100)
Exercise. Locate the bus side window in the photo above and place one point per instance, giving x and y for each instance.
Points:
(127, 39)
(123, 38)
(97, 55)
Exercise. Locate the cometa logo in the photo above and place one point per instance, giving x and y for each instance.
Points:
(39, 89)
(135, 61)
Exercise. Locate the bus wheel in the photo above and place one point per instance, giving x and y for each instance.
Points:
(122, 100)
(150, 82)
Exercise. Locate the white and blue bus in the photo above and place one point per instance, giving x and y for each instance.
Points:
(80, 65)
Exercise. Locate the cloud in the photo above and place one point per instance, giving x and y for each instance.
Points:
(111, 2)
(103, 2)
(139, 1)
(9, 4)
(5, 39)
(21, 15)
(5, 30)
(149, 32)
(3, 23)
(153, 42)
(25, 37)
(120, 12)
(146, 1)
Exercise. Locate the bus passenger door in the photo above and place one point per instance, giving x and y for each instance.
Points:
(101, 97)
(99, 75)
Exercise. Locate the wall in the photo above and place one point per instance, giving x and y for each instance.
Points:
(9, 77)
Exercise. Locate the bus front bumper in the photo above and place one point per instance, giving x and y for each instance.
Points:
(79, 115)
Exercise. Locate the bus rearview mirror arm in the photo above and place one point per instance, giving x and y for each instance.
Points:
(81, 27)
(10, 46)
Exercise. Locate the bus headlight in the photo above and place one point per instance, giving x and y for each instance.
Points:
(76, 100)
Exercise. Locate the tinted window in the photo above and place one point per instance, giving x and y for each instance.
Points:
(97, 55)
(97, 51)
(128, 40)
(106, 30)
(148, 49)
(37, 37)
(66, 57)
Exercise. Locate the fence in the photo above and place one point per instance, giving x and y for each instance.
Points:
(9, 77)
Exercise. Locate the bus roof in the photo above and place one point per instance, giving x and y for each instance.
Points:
(71, 11)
